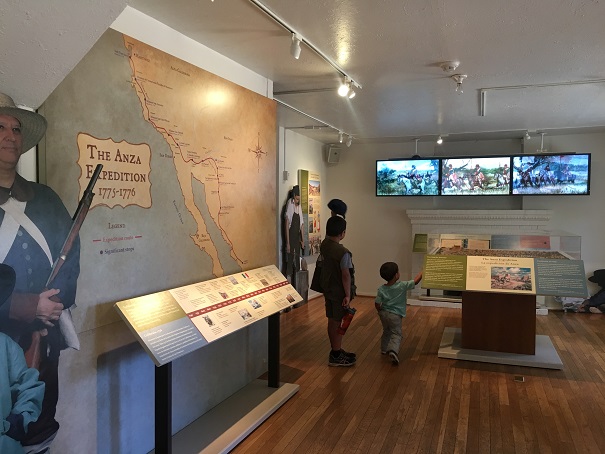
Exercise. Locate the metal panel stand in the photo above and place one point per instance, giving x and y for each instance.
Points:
(273, 350)
(227, 424)
(163, 409)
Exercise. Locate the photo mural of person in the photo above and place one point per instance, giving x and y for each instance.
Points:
(34, 224)
(293, 232)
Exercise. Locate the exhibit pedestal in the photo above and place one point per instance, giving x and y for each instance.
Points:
(500, 322)
(499, 328)
(546, 356)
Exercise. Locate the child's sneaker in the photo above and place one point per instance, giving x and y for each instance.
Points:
(394, 357)
(349, 354)
(341, 359)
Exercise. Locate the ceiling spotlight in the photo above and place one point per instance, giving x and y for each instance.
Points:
(295, 45)
(527, 136)
(459, 78)
(349, 140)
(345, 87)
(439, 140)
(340, 136)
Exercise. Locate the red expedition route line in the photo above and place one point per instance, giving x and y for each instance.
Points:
(237, 299)
(144, 108)
(136, 237)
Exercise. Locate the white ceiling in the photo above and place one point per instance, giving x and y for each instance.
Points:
(391, 47)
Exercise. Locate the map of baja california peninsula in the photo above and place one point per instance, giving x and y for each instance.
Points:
(222, 139)
(188, 187)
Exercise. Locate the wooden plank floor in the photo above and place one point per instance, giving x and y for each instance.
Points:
(429, 404)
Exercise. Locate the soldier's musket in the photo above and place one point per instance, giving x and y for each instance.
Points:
(77, 220)
(33, 353)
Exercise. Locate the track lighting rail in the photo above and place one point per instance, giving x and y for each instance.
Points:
(309, 44)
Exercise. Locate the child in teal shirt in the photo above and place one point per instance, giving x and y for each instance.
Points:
(391, 302)
(21, 392)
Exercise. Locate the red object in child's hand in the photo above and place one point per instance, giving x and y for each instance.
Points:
(346, 320)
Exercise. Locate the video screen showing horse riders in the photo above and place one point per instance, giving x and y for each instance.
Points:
(407, 177)
(476, 175)
(550, 174)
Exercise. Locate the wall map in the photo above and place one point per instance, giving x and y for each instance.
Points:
(187, 191)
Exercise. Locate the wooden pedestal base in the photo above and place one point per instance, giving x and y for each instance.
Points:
(499, 322)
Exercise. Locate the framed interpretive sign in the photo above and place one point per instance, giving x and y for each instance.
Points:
(501, 271)
(175, 322)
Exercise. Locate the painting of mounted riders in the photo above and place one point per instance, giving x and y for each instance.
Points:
(550, 174)
(413, 177)
(476, 176)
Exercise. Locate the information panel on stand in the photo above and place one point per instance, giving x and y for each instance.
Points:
(175, 322)
(505, 272)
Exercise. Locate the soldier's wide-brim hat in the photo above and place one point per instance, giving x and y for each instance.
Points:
(598, 277)
(7, 282)
(33, 125)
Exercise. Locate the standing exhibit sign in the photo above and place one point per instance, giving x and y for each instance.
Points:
(310, 201)
(518, 272)
(175, 322)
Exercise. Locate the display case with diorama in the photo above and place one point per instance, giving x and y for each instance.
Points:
(536, 249)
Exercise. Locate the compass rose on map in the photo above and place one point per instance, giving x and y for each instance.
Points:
(258, 151)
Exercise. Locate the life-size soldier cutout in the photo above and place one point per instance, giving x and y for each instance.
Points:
(34, 224)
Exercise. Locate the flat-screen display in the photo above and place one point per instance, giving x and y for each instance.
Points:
(550, 174)
(476, 175)
(407, 177)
